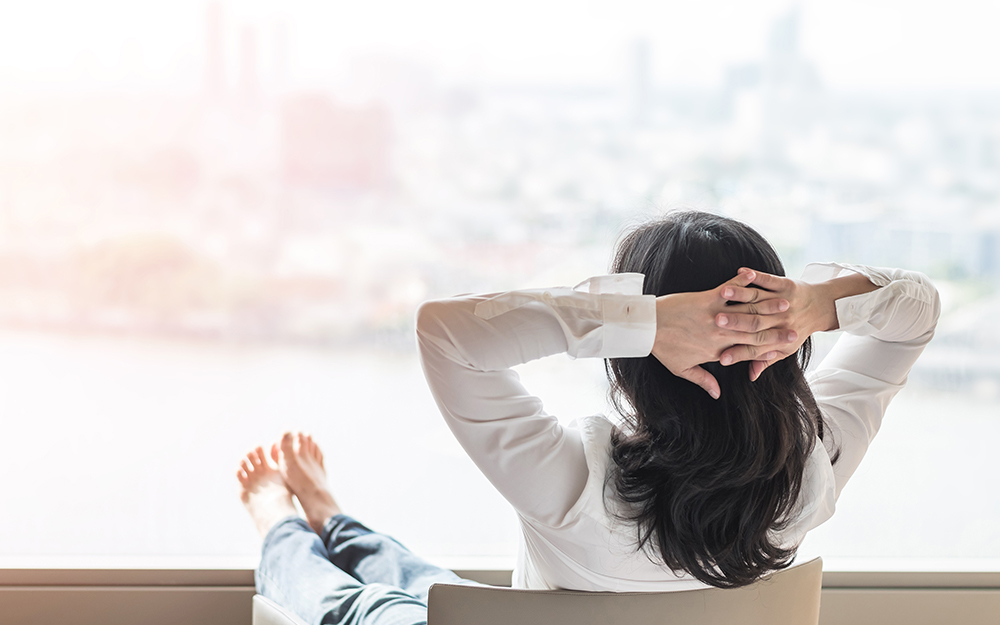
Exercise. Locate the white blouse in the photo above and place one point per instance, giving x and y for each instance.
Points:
(555, 476)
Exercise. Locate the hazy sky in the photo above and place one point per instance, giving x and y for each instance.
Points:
(856, 44)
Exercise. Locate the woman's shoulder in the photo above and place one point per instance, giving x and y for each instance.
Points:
(595, 434)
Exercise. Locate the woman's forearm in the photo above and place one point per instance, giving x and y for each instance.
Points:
(830, 291)
(467, 347)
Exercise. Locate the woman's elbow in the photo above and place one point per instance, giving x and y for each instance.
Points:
(430, 317)
(931, 300)
(440, 322)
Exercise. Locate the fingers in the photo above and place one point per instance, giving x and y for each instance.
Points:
(757, 367)
(744, 277)
(769, 281)
(740, 353)
(772, 306)
(745, 295)
(738, 289)
(753, 317)
(758, 363)
(764, 345)
(702, 378)
(752, 345)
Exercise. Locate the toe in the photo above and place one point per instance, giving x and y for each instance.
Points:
(246, 467)
(261, 457)
(275, 454)
(300, 442)
(287, 443)
(253, 459)
(242, 476)
(315, 451)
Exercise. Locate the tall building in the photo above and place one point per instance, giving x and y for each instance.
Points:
(640, 83)
(249, 82)
(215, 61)
(280, 52)
(783, 40)
(784, 66)
(776, 96)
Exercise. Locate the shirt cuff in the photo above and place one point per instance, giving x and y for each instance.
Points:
(629, 324)
(820, 272)
(855, 312)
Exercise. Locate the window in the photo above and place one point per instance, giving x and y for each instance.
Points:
(217, 220)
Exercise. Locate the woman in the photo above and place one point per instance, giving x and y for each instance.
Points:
(727, 454)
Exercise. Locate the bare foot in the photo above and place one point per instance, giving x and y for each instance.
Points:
(301, 464)
(263, 491)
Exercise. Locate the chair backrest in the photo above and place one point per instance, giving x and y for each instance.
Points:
(789, 597)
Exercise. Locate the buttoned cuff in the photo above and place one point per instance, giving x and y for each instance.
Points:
(629, 325)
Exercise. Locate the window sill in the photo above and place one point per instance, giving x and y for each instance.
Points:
(238, 572)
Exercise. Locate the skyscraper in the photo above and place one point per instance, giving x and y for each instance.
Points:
(280, 52)
(215, 63)
(249, 85)
(639, 85)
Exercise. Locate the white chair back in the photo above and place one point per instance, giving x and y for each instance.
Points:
(789, 597)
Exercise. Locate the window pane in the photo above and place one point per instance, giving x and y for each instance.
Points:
(217, 220)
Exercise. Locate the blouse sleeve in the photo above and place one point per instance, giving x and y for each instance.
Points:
(885, 331)
(468, 345)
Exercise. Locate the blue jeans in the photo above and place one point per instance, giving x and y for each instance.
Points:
(347, 574)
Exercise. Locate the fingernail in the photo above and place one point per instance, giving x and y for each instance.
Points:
(723, 320)
(727, 293)
(714, 393)
(751, 275)
(792, 336)
(783, 305)
(727, 360)
(768, 356)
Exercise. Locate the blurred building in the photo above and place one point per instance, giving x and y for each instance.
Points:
(955, 249)
(328, 145)
(640, 83)
(249, 81)
(776, 95)
(215, 73)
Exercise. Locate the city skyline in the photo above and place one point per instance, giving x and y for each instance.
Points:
(880, 46)
(216, 222)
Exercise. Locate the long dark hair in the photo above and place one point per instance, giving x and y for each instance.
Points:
(708, 483)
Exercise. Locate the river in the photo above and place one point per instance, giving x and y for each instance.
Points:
(127, 448)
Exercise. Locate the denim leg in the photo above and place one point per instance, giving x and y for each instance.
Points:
(376, 558)
(296, 574)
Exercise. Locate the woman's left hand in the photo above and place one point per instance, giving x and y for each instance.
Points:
(811, 309)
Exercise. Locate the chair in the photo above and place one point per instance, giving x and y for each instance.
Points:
(789, 597)
(267, 612)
